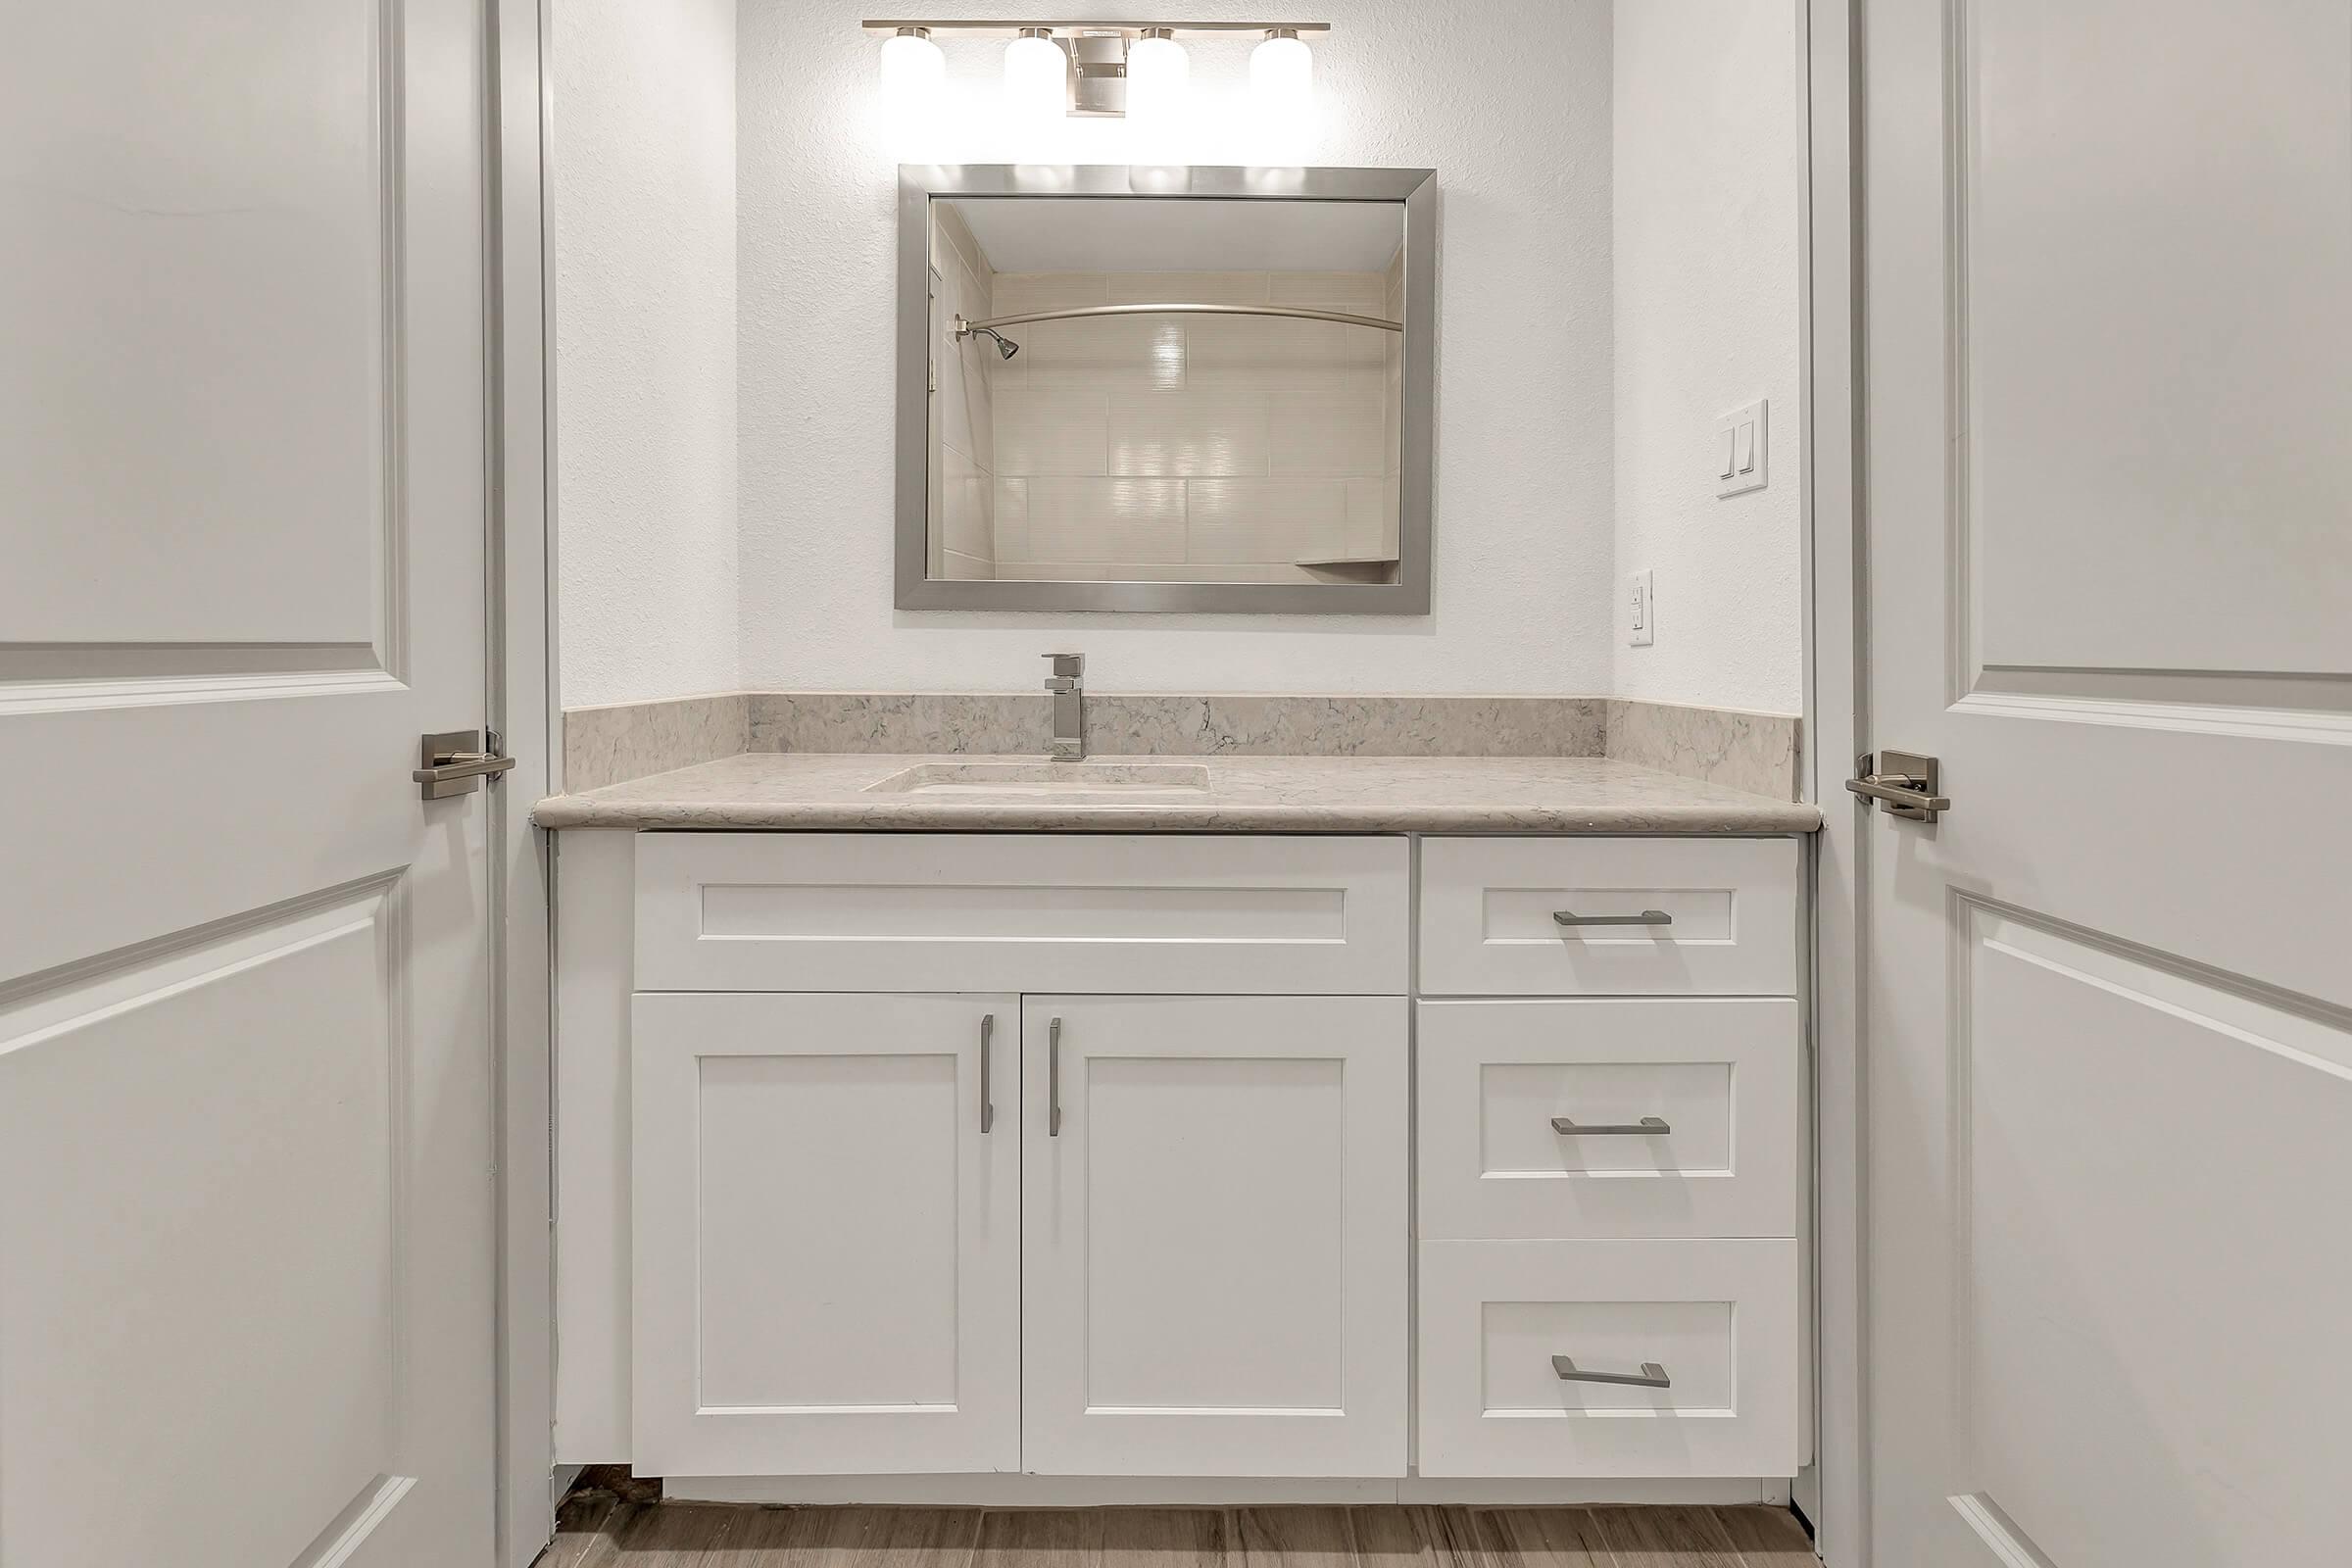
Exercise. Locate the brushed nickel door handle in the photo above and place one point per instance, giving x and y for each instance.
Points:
(1904, 783)
(456, 760)
(1651, 1375)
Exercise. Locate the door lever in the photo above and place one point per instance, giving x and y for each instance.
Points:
(456, 761)
(1904, 783)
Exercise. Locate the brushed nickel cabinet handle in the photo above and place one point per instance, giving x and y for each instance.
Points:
(1645, 918)
(1647, 1124)
(988, 1112)
(1054, 1079)
(1651, 1375)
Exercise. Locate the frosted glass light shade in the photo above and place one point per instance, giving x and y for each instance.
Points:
(913, 68)
(1159, 75)
(1036, 80)
(1282, 83)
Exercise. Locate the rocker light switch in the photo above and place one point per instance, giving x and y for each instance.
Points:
(1741, 446)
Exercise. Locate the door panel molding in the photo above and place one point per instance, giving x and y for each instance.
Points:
(245, 1127)
(2308, 708)
(2002, 1539)
(339, 1541)
(2058, 1195)
(2313, 707)
(38, 675)
(25, 989)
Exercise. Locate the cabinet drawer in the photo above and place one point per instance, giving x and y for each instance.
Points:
(1541, 916)
(1688, 1106)
(1716, 1319)
(1165, 914)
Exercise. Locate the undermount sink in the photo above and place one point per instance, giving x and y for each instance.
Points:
(1112, 780)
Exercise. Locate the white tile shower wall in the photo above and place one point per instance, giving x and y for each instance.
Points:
(1198, 448)
(1520, 141)
(963, 421)
(1382, 543)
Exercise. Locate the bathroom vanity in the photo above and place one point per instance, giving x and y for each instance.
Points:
(1270, 1122)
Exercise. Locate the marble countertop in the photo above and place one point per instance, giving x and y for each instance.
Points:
(810, 790)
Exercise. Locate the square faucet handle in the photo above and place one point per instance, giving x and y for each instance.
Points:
(1068, 665)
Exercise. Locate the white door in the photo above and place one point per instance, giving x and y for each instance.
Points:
(826, 1234)
(1214, 1280)
(246, 1283)
(2108, 1051)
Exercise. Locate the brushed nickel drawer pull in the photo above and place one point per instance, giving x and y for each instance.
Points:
(1645, 918)
(1651, 1375)
(1647, 1124)
(988, 1112)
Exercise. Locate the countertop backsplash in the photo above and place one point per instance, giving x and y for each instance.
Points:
(1756, 752)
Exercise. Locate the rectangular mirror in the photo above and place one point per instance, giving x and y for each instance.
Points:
(1165, 389)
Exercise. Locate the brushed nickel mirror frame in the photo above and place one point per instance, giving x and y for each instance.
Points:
(1413, 190)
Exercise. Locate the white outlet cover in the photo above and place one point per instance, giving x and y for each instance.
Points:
(1740, 457)
(1640, 608)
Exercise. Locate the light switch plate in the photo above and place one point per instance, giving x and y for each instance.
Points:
(1742, 455)
(1640, 608)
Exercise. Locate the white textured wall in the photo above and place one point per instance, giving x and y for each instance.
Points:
(1509, 105)
(644, 209)
(1707, 158)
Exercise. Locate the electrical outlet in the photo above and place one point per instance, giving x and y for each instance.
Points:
(1642, 608)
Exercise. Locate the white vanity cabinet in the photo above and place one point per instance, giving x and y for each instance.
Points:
(941, 1164)
(1102, 1157)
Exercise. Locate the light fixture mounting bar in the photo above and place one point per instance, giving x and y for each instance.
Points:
(1011, 29)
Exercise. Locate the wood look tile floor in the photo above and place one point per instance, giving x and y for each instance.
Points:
(596, 1531)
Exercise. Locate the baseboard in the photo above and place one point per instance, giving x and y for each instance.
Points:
(1111, 1491)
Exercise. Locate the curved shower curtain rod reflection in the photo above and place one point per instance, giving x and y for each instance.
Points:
(1006, 347)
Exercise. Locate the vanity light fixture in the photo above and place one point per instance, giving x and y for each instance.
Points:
(1158, 80)
(1282, 80)
(1035, 75)
(913, 68)
(1110, 70)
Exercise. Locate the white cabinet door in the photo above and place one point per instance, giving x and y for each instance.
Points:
(826, 1234)
(1214, 1235)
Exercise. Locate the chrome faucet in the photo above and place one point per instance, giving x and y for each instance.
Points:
(1067, 683)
